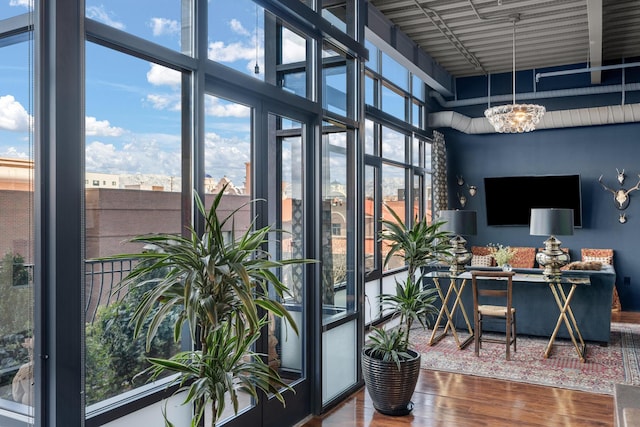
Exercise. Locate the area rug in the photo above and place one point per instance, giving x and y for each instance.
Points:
(619, 362)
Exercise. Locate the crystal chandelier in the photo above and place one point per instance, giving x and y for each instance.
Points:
(514, 118)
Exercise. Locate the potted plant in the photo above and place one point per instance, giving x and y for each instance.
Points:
(502, 254)
(390, 368)
(221, 288)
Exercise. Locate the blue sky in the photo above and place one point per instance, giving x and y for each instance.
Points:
(133, 106)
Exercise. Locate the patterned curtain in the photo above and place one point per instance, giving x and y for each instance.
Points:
(439, 168)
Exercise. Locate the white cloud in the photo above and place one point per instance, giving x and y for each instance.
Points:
(227, 157)
(164, 26)
(24, 3)
(94, 127)
(218, 51)
(163, 76)
(213, 107)
(165, 102)
(236, 27)
(99, 14)
(12, 152)
(293, 47)
(13, 116)
(160, 154)
(150, 154)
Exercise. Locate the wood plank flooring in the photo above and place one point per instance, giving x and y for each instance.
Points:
(444, 399)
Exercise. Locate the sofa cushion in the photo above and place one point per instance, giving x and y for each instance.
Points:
(482, 261)
(480, 250)
(524, 257)
(604, 256)
(601, 259)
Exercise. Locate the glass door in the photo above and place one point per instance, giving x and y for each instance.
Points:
(259, 155)
(286, 349)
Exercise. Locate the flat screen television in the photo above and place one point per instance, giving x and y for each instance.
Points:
(509, 199)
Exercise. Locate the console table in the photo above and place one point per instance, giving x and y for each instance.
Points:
(558, 286)
(538, 311)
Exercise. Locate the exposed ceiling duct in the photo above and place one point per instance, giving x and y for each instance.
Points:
(613, 114)
(560, 93)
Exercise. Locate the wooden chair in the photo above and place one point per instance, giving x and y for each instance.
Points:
(485, 295)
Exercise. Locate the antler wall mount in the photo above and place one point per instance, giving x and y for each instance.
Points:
(621, 196)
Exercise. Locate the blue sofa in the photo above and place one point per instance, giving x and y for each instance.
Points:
(537, 311)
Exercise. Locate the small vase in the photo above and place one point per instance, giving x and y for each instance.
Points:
(506, 267)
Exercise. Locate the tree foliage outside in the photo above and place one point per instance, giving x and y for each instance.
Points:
(15, 296)
(16, 318)
(115, 358)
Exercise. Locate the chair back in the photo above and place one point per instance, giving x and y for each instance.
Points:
(493, 298)
(493, 292)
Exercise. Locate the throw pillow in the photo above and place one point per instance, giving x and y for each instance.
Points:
(481, 261)
(602, 259)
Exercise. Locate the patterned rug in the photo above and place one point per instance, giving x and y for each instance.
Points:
(619, 362)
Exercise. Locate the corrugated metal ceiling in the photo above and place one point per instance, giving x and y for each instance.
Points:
(474, 37)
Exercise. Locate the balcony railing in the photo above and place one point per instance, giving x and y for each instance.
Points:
(101, 283)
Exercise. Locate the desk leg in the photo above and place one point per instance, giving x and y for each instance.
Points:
(458, 303)
(564, 304)
(581, 348)
(444, 311)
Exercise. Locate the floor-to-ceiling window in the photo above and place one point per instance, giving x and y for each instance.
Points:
(397, 172)
(139, 105)
(17, 249)
(132, 184)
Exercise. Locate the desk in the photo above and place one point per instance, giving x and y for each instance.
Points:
(563, 301)
(447, 314)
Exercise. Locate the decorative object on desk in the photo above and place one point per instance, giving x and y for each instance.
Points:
(514, 118)
(617, 362)
(472, 190)
(621, 196)
(389, 367)
(459, 223)
(551, 222)
(502, 254)
(462, 199)
(584, 265)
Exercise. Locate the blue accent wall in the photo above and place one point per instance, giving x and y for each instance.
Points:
(588, 151)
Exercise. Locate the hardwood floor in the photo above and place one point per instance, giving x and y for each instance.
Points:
(445, 399)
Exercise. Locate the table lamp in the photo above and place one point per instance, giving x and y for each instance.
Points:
(551, 222)
(460, 223)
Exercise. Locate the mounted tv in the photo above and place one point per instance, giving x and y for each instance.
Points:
(509, 199)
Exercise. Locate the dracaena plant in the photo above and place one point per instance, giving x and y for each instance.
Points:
(225, 290)
(419, 244)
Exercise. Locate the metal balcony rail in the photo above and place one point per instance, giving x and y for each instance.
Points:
(101, 283)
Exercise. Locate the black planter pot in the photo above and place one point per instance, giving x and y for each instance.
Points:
(391, 389)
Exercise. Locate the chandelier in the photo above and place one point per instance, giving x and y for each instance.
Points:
(514, 118)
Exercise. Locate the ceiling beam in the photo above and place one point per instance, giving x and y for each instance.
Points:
(594, 12)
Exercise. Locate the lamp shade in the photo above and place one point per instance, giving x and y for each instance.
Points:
(459, 222)
(551, 222)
